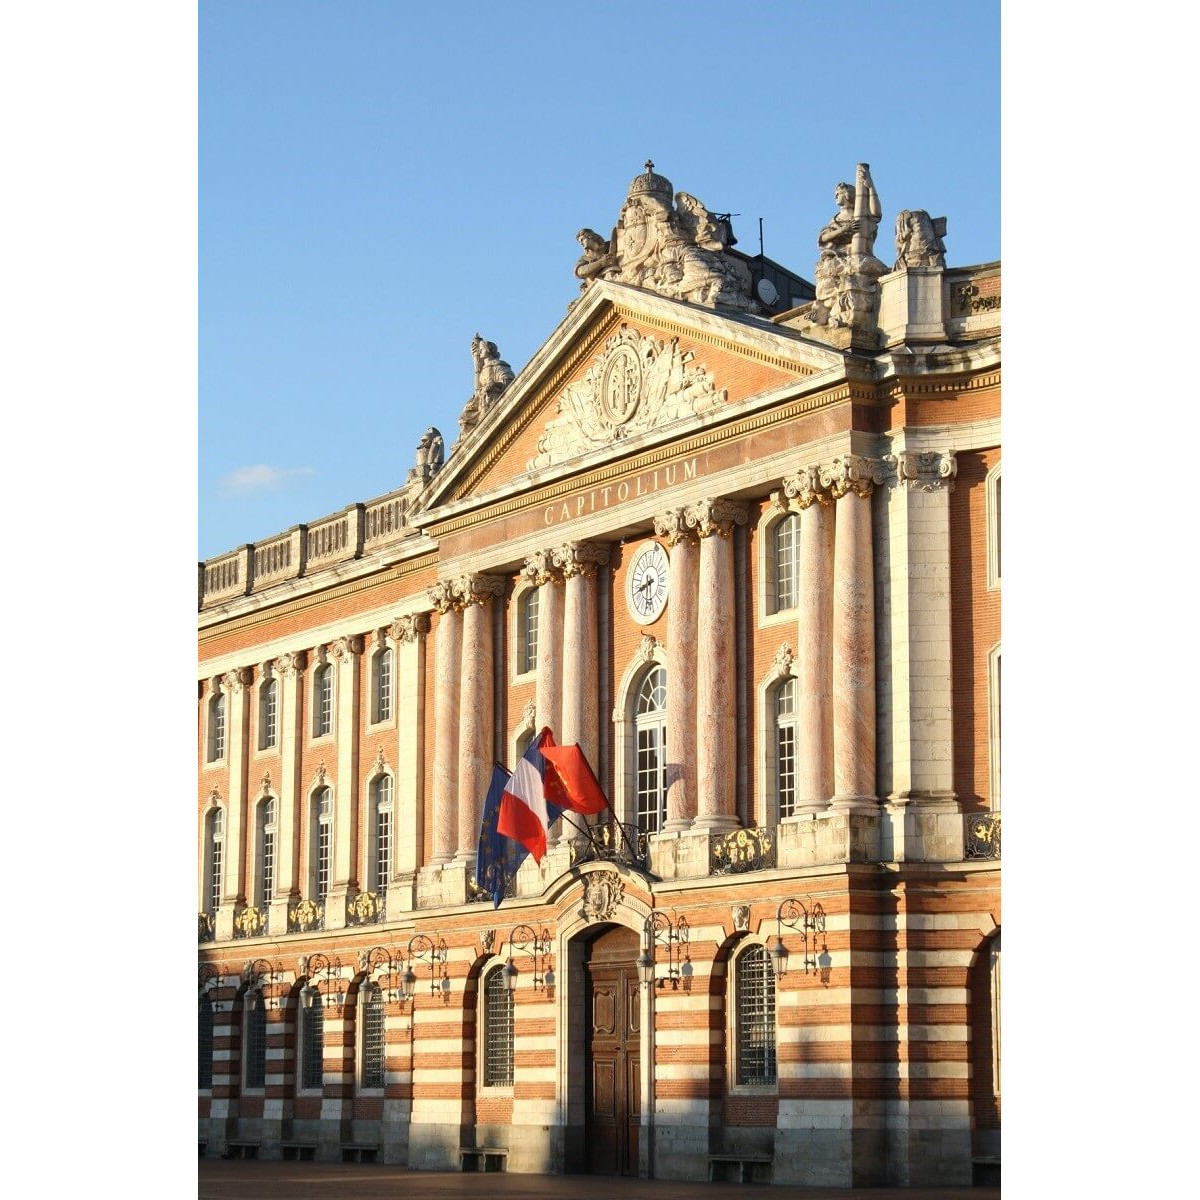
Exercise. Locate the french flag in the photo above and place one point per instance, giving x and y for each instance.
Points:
(527, 808)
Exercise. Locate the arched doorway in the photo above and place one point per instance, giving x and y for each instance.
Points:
(612, 1054)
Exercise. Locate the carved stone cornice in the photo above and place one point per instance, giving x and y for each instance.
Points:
(581, 558)
(805, 488)
(853, 473)
(477, 589)
(235, 680)
(410, 627)
(342, 648)
(541, 568)
(924, 470)
(291, 663)
(716, 516)
(673, 526)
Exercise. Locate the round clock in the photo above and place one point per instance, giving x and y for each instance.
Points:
(646, 583)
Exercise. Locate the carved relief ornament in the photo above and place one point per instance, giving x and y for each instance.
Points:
(477, 589)
(581, 558)
(342, 648)
(235, 680)
(672, 525)
(647, 648)
(805, 488)
(718, 517)
(852, 473)
(635, 384)
(741, 917)
(409, 628)
(441, 596)
(784, 657)
(602, 893)
(925, 470)
(291, 663)
(541, 568)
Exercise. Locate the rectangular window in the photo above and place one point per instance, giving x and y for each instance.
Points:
(216, 731)
(498, 1032)
(383, 849)
(529, 632)
(324, 831)
(786, 751)
(267, 875)
(373, 1040)
(256, 1045)
(314, 1046)
(206, 1043)
(270, 715)
(383, 686)
(651, 753)
(755, 1018)
(787, 534)
(323, 710)
(215, 855)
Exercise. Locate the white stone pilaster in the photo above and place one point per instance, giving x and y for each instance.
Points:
(236, 685)
(290, 668)
(447, 665)
(409, 633)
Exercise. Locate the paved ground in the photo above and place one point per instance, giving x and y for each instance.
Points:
(221, 1180)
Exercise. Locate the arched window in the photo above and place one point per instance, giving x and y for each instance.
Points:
(381, 813)
(785, 544)
(322, 700)
(268, 714)
(216, 727)
(216, 853)
(382, 699)
(754, 1017)
(321, 844)
(497, 1030)
(785, 747)
(256, 1041)
(650, 729)
(372, 1035)
(266, 851)
(527, 631)
(312, 1041)
(206, 1043)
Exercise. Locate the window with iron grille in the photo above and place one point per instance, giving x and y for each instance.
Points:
(382, 787)
(313, 1057)
(650, 726)
(497, 1031)
(322, 843)
(372, 1061)
(785, 747)
(266, 851)
(323, 701)
(786, 536)
(754, 1005)
(216, 727)
(383, 685)
(269, 714)
(529, 630)
(206, 1043)
(216, 848)
(256, 1043)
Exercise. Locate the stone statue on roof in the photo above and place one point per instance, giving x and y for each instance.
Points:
(492, 376)
(919, 240)
(430, 455)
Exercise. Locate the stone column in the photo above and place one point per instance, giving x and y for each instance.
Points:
(408, 832)
(290, 669)
(851, 481)
(541, 570)
(578, 562)
(477, 723)
(716, 663)
(236, 685)
(346, 653)
(447, 664)
(681, 668)
(814, 642)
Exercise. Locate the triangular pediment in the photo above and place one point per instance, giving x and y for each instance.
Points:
(625, 368)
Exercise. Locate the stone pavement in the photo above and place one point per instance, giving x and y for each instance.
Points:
(221, 1180)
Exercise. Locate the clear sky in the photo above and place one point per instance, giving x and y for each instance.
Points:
(379, 181)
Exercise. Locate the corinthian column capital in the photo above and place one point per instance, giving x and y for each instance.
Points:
(580, 558)
(291, 663)
(235, 680)
(673, 526)
(477, 589)
(716, 516)
(853, 473)
(343, 647)
(441, 596)
(409, 628)
(924, 470)
(806, 488)
(540, 568)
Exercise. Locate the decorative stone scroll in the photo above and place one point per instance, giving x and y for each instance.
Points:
(581, 558)
(852, 474)
(673, 526)
(441, 596)
(342, 648)
(602, 893)
(540, 568)
(675, 249)
(635, 384)
(716, 516)
(924, 470)
(409, 628)
(805, 488)
(291, 663)
(492, 376)
(235, 680)
(919, 240)
(477, 589)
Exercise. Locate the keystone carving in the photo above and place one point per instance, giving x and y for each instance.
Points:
(602, 893)
(646, 648)
(487, 939)
(741, 917)
(784, 657)
(718, 517)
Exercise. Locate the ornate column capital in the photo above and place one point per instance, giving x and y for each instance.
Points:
(291, 663)
(409, 628)
(673, 526)
(806, 488)
(853, 473)
(580, 558)
(925, 470)
(342, 648)
(235, 680)
(541, 568)
(477, 589)
(441, 596)
(715, 516)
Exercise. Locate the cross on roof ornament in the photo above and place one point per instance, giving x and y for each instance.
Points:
(649, 166)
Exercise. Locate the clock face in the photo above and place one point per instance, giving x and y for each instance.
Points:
(646, 584)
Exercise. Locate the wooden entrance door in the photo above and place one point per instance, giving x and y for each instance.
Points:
(613, 1104)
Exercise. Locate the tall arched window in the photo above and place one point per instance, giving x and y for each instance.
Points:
(266, 851)
(497, 1030)
(527, 622)
(256, 1041)
(216, 854)
(321, 844)
(322, 700)
(382, 699)
(785, 747)
(754, 1017)
(216, 727)
(373, 1037)
(785, 537)
(381, 816)
(268, 714)
(206, 1043)
(312, 1041)
(650, 728)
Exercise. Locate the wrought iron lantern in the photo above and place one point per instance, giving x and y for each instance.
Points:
(809, 922)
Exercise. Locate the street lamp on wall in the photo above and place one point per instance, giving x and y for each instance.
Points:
(674, 937)
(808, 922)
(209, 978)
(258, 974)
(379, 964)
(321, 969)
(537, 947)
(421, 947)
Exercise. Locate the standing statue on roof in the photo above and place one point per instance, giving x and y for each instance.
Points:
(919, 240)
(492, 376)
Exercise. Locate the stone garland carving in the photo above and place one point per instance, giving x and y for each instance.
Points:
(409, 628)
(673, 526)
(492, 376)
(477, 589)
(716, 516)
(924, 470)
(635, 384)
(675, 249)
(580, 558)
(540, 568)
(919, 240)
(603, 891)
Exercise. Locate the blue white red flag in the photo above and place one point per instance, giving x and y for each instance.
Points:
(527, 809)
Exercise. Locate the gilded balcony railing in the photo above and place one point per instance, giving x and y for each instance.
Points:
(982, 835)
(306, 915)
(367, 908)
(741, 850)
(250, 922)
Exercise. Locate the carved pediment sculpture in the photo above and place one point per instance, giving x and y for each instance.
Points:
(430, 455)
(636, 383)
(672, 246)
(492, 376)
(919, 239)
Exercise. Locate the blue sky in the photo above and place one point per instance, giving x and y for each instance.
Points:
(378, 181)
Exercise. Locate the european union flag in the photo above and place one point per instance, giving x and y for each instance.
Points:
(498, 857)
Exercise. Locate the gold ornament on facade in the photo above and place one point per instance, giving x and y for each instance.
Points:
(306, 915)
(741, 850)
(250, 922)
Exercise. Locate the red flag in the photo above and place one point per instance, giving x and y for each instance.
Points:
(573, 778)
